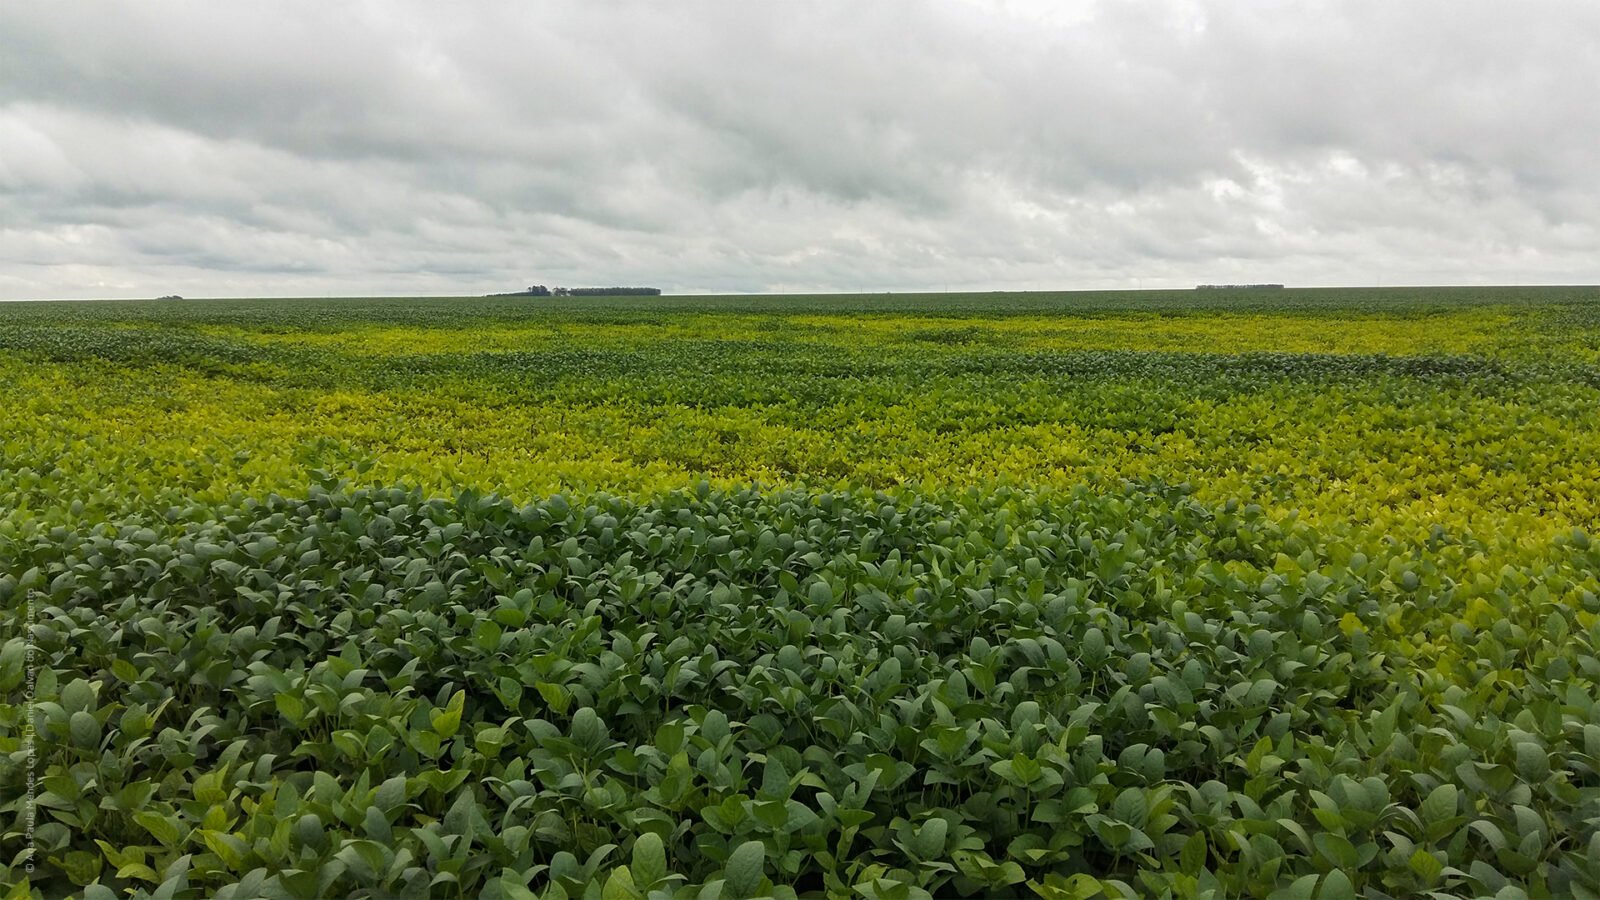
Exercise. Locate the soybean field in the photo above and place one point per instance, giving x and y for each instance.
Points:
(1289, 593)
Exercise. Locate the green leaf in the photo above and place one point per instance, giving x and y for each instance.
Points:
(555, 695)
(772, 813)
(649, 864)
(1426, 865)
(13, 663)
(130, 797)
(1302, 888)
(588, 731)
(745, 868)
(229, 848)
(676, 781)
(124, 671)
(820, 594)
(1440, 804)
(1193, 857)
(77, 695)
(1533, 764)
(928, 841)
(445, 722)
(82, 867)
(85, 730)
(1337, 886)
(459, 818)
(1490, 833)
(1337, 850)
(800, 817)
(510, 691)
(620, 886)
(290, 707)
(365, 859)
(164, 829)
(391, 794)
(1129, 806)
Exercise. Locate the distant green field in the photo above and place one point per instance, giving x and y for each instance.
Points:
(1059, 594)
(1399, 407)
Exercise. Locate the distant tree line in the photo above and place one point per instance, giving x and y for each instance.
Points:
(613, 292)
(539, 290)
(1233, 287)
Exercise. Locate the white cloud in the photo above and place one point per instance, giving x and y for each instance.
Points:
(306, 148)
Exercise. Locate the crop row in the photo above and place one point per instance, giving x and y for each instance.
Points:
(122, 417)
(1110, 689)
(451, 312)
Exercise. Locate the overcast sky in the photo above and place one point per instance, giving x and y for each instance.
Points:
(305, 148)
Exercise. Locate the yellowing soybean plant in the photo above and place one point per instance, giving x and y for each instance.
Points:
(1182, 594)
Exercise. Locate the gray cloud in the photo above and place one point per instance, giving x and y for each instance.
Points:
(306, 148)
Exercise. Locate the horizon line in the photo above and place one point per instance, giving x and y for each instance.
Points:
(817, 293)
